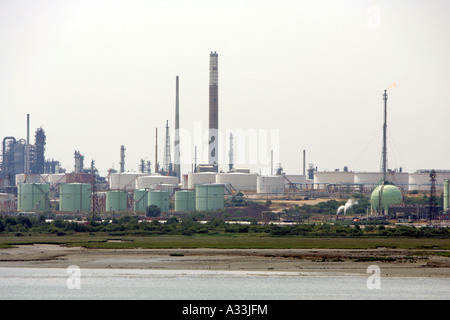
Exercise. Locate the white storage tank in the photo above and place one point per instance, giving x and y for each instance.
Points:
(372, 179)
(151, 181)
(165, 187)
(239, 181)
(195, 178)
(421, 180)
(270, 184)
(324, 178)
(124, 180)
(29, 178)
(56, 178)
(295, 179)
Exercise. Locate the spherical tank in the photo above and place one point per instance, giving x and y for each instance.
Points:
(385, 195)
(75, 197)
(184, 200)
(209, 197)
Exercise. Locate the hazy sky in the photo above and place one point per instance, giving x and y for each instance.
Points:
(298, 75)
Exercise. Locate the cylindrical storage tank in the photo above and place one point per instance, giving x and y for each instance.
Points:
(56, 178)
(151, 182)
(446, 195)
(116, 200)
(383, 196)
(160, 199)
(165, 187)
(124, 180)
(100, 201)
(195, 178)
(209, 197)
(322, 179)
(185, 200)
(32, 197)
(7, 202)
(75, 197)
(239, 181)
(421, 180)
(270, 184)
(28, 178)
(140, 200)
(368, 179)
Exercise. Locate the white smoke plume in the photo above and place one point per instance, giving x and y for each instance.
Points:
(350, 203)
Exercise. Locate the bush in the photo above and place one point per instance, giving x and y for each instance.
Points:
(153, 211)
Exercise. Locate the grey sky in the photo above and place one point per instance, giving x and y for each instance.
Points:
(98, 74)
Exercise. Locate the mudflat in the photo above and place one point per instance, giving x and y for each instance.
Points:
(391, 261)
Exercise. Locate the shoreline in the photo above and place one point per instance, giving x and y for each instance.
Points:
(392, 262)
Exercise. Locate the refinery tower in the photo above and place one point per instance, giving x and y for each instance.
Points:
(213, 108)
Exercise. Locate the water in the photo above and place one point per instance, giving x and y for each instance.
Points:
(98, 284)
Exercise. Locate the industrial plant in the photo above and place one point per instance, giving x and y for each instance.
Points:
(30, 183)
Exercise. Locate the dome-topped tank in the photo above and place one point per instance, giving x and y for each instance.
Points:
(384, 196)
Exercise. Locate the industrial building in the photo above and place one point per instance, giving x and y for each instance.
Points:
(19, 156)
(30, 183)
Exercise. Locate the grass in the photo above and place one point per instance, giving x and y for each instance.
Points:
(235, 241)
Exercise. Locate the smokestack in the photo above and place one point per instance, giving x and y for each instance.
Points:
(177, 133)
(156, 151)
(27, 147)
(213, 108)
(384, 155)
(122, 158)
(304, 162)
(28, 128)
(167, 165)
(230, 154)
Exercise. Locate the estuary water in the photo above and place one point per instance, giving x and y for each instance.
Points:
(126, 284)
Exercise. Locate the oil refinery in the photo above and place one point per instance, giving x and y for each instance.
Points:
(30, 183)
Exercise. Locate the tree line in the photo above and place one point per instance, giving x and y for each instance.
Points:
(190, 225)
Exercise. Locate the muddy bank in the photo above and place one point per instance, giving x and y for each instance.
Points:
(392, 262)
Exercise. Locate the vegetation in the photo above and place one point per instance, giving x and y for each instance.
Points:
(210, 229)
(189, 225)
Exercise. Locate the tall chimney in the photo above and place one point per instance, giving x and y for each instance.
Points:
(156, 151)
(27, 147)
(177, 133)
(122, 159)
(304, 162)
(213, 108)
(384, 156)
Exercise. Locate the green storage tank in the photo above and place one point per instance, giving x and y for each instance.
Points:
(209, 197)
(160, 199)
(116, 200)
(383, 196)
(184, 200)
(33, 196)
(75, 197)
(140, 199)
